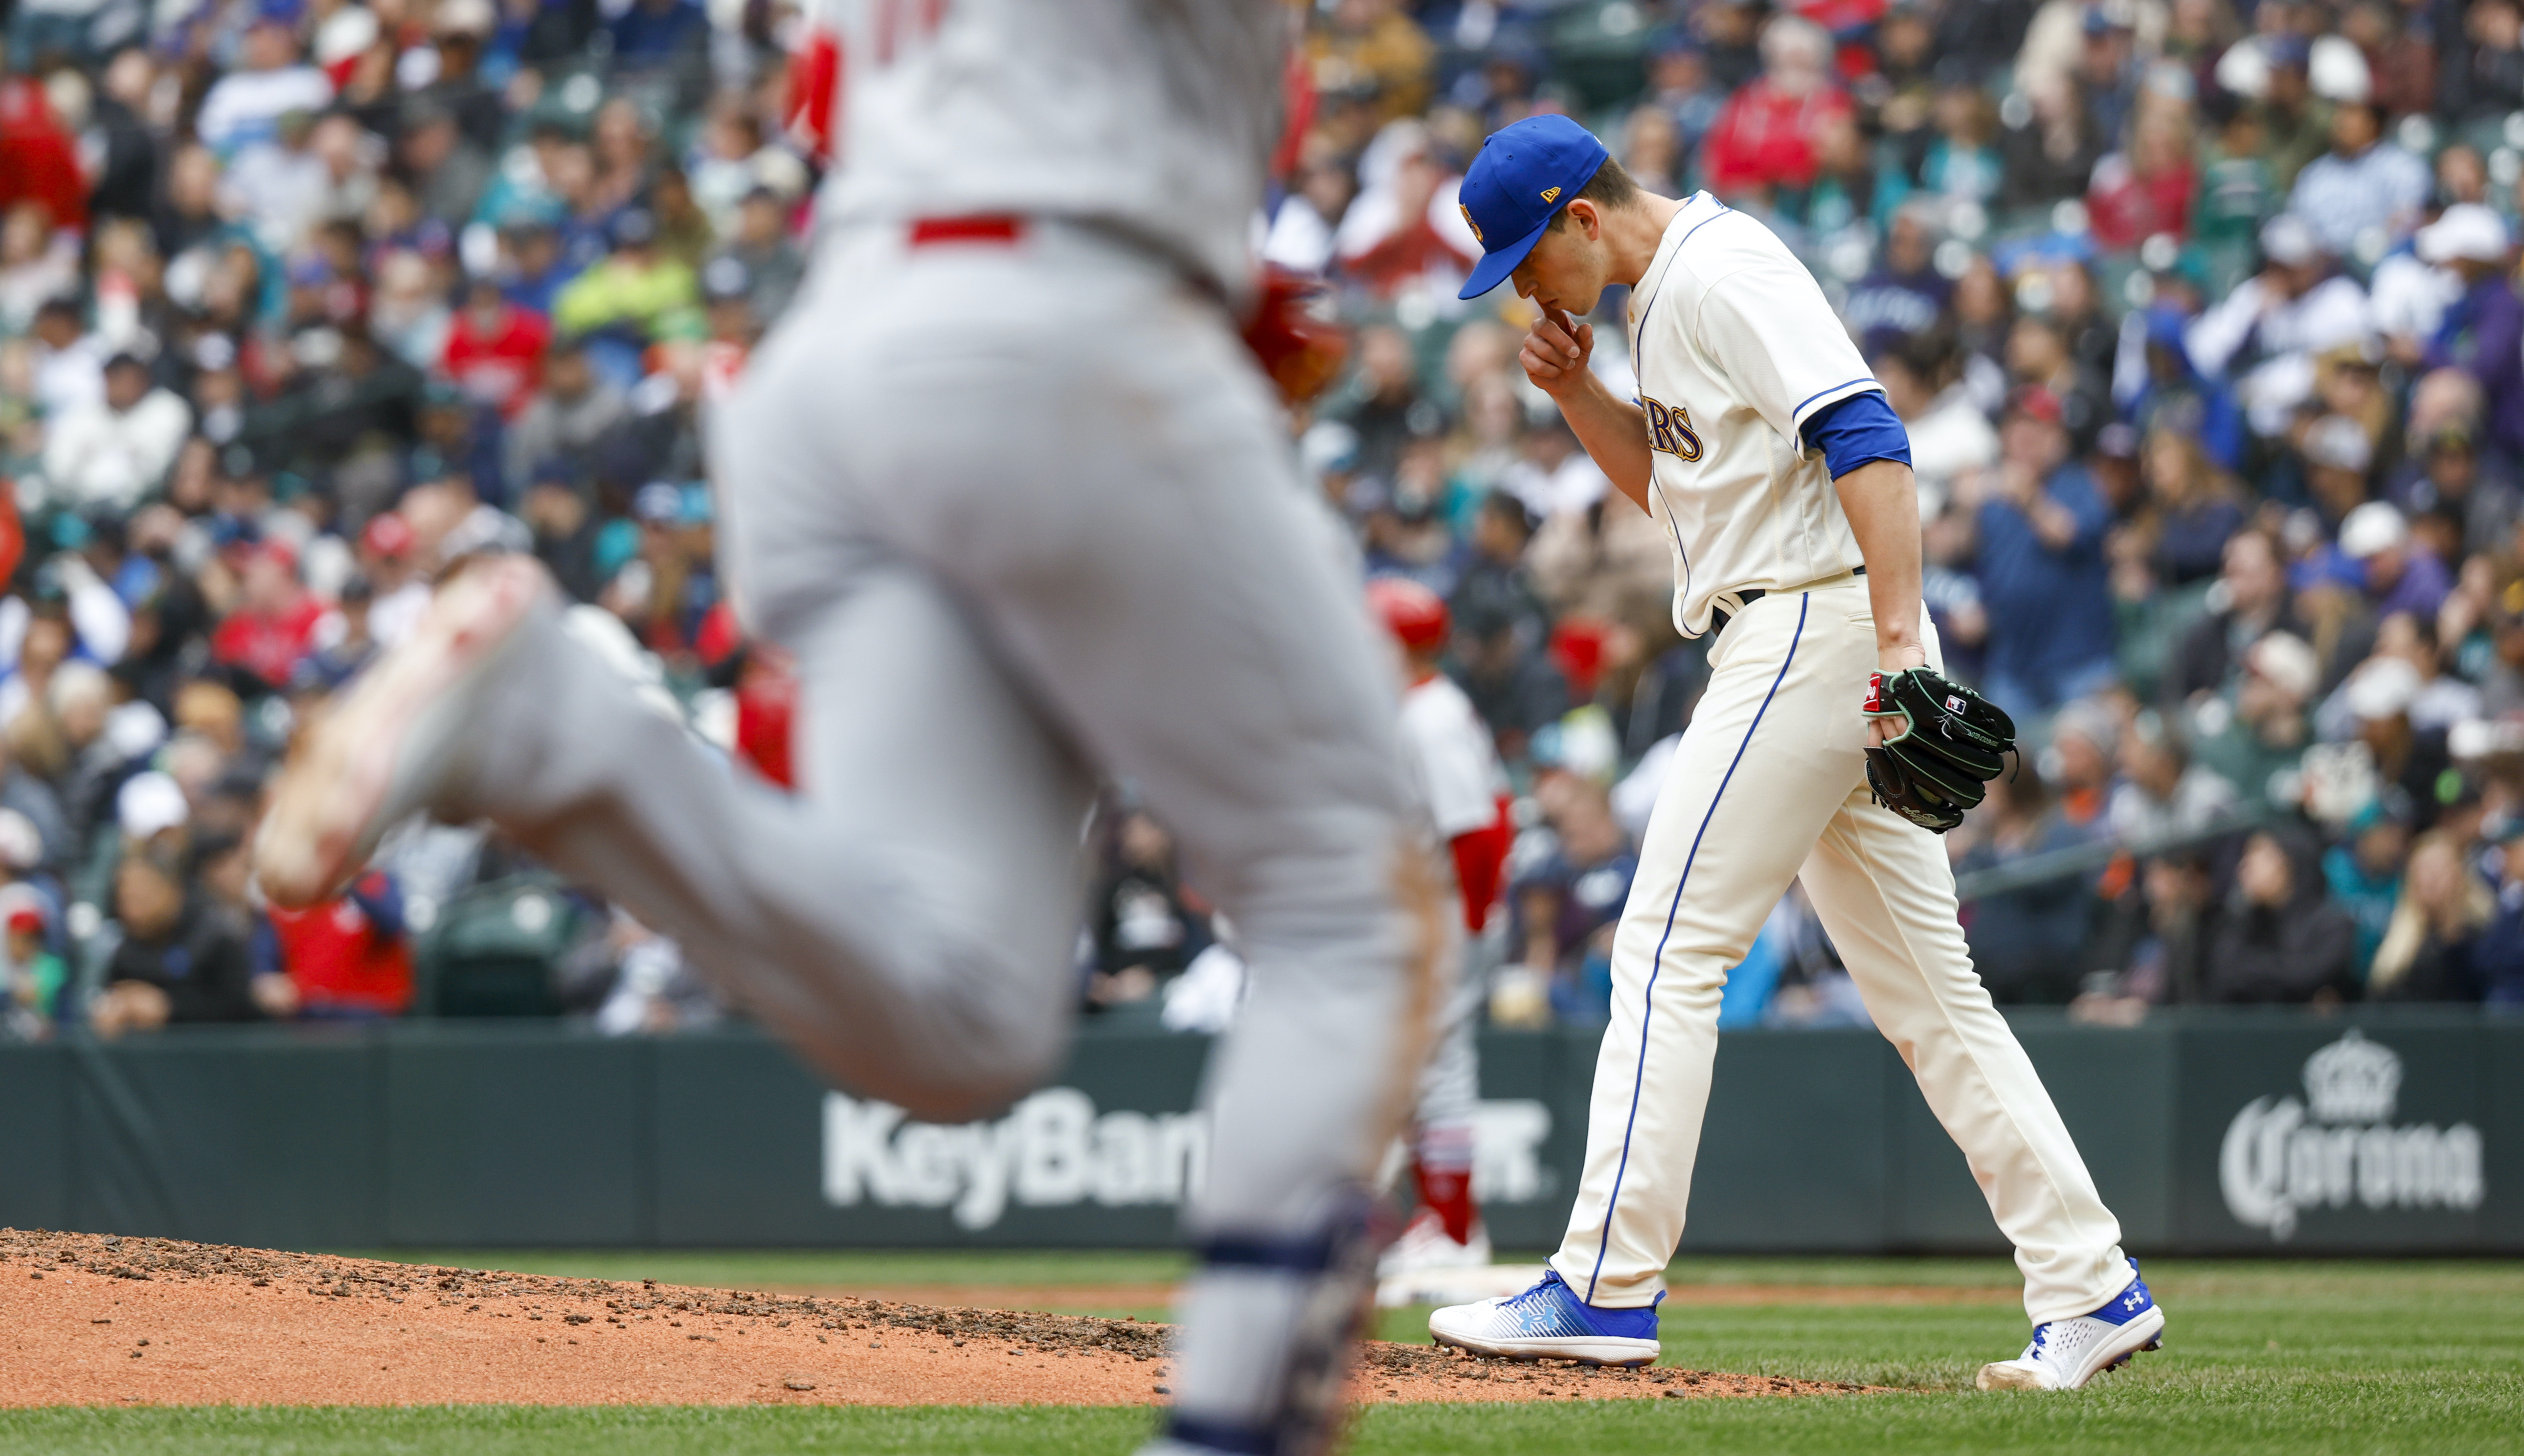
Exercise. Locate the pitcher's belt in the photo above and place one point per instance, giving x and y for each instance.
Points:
(1720, 616)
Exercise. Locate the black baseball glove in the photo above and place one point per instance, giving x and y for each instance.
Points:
(1956, 742)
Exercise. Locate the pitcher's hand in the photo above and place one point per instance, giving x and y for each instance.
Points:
(1556, 353)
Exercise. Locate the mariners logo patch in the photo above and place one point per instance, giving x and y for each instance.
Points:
(1469, 222)
(1550, 194)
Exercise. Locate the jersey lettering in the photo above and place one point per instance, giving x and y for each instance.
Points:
(1670, 430)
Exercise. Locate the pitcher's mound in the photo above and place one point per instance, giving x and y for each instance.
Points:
(105, 1321)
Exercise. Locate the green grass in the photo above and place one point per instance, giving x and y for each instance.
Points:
(2263, 1357)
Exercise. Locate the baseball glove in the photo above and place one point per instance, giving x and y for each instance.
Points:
(1956, 742)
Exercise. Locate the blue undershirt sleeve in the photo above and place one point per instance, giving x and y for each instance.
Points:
(1851, 432)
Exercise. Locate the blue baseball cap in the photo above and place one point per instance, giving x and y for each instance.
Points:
(1520, 179)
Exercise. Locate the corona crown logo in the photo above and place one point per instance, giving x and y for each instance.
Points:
(2353, 1079)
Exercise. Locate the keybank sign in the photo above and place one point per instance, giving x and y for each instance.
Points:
(2340, 1146)
(1055, 1149)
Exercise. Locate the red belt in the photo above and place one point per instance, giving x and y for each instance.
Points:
(997, 229)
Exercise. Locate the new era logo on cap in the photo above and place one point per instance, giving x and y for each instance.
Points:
(1515, 185)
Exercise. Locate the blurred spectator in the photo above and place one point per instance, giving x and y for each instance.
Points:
(179, 959)
(2279, 941)
(270, 80)
(2365, 193)
(2481, 332)
(564, 417)
(2428, 945)
(2399, 574)
(2162, 793)
(2029, 944)
(1567, 886)
(635, 286)
(495, 348)
(1764, 140)
(2039, 554)
(347, 958)
(2264, 334)
(2365, 874)
(110, 453)
(2254, 731)
(1147, 929)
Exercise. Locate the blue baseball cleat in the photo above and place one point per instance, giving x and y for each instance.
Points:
(1549, 1322)
(2066, 1353)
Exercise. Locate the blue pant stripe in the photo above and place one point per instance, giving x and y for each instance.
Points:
(1647, 997)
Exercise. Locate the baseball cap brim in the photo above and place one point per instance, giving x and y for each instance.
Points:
(1498, 263)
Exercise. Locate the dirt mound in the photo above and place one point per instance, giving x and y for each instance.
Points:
(99, 1321)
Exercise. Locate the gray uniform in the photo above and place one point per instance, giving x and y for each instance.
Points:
(1027, 514)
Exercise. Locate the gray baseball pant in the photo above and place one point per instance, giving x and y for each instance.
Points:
(1027, 515)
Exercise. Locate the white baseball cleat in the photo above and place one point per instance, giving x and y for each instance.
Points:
(390, 744)
(2066, 1353)
(1424, 1246)
(1549, 1322)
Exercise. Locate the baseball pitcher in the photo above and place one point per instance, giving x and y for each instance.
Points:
(1828, 748)
(1010, 490)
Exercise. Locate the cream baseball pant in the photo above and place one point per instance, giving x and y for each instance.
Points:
(1769, 784)
(1027, 516)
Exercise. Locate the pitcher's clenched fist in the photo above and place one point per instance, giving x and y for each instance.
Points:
(1557, 352)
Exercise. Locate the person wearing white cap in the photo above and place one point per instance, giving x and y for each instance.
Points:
(2380, 694)
(2259, 730)
(2267, 331)
(2399, 576)
(2482, 333)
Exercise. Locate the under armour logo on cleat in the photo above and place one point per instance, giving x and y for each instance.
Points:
(2133, 1300)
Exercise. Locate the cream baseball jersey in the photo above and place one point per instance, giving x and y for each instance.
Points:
(1458, 764)
(1735, 349)
(1153, 118)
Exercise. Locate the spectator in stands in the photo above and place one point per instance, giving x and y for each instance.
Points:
(2429, 946)
(270, 80)
(2040, 563)
(2279, 940)
(2264, 334)
(2399, 574)
(348, 959)
(2482, 333)
(1146, 926)
(2365, 193)
(2254, 731)
(1764, 140)
(2365, 875)
(2029, 943)
(2146, 191)
(1567, 891)
(573, 408)
(178, 960)
(2162, 793)
(108, 454)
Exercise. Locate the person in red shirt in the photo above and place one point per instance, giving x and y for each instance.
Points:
(274, 623)
(347, 957)
(1765, 138)
(2145, 189)
(495, 348)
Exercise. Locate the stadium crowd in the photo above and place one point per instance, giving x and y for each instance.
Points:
(2203, 318)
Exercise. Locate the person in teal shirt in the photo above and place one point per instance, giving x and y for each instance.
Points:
(2364, 872)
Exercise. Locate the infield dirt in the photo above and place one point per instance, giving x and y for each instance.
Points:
(97, 1319)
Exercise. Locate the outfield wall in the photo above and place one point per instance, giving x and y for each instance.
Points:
(2226, 1134)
